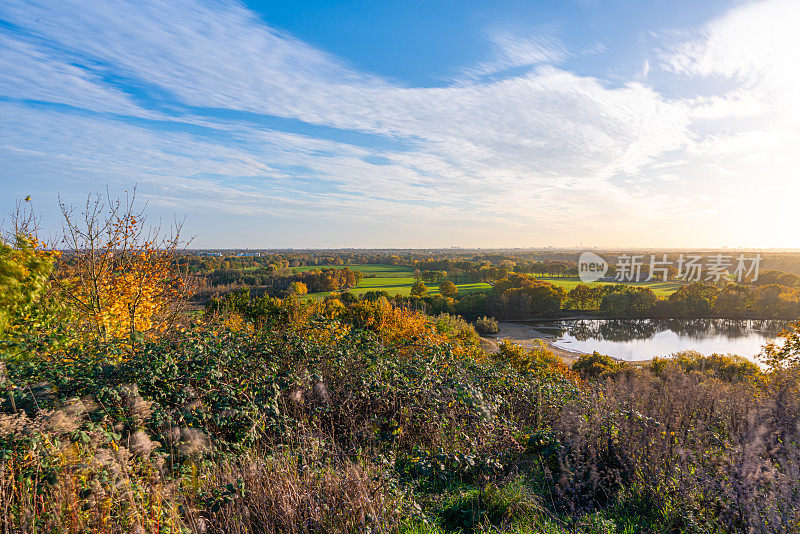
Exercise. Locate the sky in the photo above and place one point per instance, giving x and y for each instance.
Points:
(320, 124)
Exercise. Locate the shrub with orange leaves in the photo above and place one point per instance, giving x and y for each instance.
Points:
(397, 325)
(235, 323)
(120, 275)
(536, 359)
(393, 324)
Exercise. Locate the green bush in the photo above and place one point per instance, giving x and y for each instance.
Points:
(726, 367)
(487, 326)
(455, 326)
(280, 421)
(24, 273)
(596, 365)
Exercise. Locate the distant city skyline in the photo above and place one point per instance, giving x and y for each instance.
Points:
(355, 124)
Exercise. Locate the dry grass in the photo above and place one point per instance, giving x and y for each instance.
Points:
(53, 482)
(291, 493)
(723, 454)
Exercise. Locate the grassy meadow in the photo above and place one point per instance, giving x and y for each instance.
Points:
(398, 279)
(394, 279)
(660, 288)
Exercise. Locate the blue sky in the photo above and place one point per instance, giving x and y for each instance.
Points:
(412, 124)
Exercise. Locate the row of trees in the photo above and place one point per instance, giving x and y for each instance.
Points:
(522, 296)
(474, 264)
(329, 279)
(691, 300)
(447, 289)
(735, 300)
(278, 281)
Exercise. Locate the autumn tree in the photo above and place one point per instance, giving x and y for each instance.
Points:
(534, 298)
(693, 300)
(785, 352)
(448, 289)
(734, 300)
(33, 320)
(628, 301)
(435, 277)
(298, 288)
(119, 273)
(419, 289)
(584, 297)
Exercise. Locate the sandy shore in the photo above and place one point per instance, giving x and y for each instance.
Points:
(528, 337)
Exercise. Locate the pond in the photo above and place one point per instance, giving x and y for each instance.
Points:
(641, 339)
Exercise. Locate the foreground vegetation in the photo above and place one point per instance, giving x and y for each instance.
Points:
(341, 420)
(358, 415)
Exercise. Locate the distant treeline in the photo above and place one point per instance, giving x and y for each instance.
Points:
(519, 297)
(274, 283)
(456, 262)
(517, 293)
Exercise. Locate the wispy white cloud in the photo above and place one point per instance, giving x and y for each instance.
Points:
(31, 72)
(543, 148)
(754, 49)
(511, 50)
(751, 43)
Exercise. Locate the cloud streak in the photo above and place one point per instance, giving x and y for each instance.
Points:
(544, 148)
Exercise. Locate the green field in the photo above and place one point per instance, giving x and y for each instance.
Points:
(378, 269)
(394, 279)
(661, 289)
(397, 279)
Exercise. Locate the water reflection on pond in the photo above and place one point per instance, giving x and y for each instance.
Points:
(641, 339)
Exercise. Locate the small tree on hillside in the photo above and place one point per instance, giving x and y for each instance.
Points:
(786, 352)
(448, 289)
(419, 289)
(298, 288)
(120, 274)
